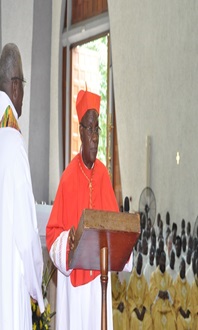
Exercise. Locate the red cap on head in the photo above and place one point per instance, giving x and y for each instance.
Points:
(86, 101)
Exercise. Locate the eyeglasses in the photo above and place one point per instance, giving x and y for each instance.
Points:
(21, 79)
(91, 131)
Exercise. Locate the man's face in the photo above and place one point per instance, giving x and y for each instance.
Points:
(184, 243)
(168, 219)
(16, 90)
(139, 264)
(143, 221)
(178, 247)
(89, 140)
(161, 244)
(145, 246)
(188, 256)
(188, 228)
(182, 269)
(162, 262)
(172, 260)
(19, 101)
(151, 255)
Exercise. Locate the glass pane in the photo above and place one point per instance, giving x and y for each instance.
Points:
(89, 69)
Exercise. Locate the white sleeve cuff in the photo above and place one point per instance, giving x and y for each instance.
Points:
(58, 253)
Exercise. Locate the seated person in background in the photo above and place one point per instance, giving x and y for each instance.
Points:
(188, 258)
(138, 250)
(148, 230)
(162, 295)
(183, 227)
(195, 243)
(153, 238)
(167, 225)
(190, 242)
(157, 256)
(183, 306)
(120, 315)
(170, 268)
(178, 246)
(142, 223)
(174, 232)
(161, 243)
(158, 223)
(167, 233)
(184, 246)
(150, 267)
(190, 274)
(144, 252)
(138, 299)
(188, 229)
(194, 297)
(148, 227)
(161, 231)
(169, 246)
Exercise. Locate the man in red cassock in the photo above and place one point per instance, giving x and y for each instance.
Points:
(84, 184)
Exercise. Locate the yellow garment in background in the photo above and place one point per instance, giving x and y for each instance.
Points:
(194, 297)
(163, 314)
(137, 297)
(183, 300)
(120, 319)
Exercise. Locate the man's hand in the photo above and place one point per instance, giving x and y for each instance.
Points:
(121, 307)
(184, 314)
(142, 313)
(163, 294)
(33, 300)
(187, 314)
(137, 314)
(71, 237)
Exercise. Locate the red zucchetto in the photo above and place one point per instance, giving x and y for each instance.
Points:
(86, 101)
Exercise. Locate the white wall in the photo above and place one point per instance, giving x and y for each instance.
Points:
(40, 99)
(17, 26)
(55, 159)
(28, 24)
(155, 65)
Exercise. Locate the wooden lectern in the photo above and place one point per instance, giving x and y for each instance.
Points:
(104, 241)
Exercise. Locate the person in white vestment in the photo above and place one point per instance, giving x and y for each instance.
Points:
(183, 227)
(170, 268)
(188, 258)
(145, 256)
(178, 250)
(150, 267)
(167, 226)
(21, 258)
(184, 246)
(190, 274)
(188, 230)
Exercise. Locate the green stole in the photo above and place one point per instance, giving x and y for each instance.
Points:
(9, 120)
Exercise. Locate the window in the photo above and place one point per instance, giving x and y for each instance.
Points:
(86, 45)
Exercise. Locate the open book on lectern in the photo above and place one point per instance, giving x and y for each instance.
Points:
(118, 231)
